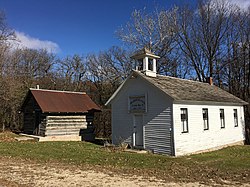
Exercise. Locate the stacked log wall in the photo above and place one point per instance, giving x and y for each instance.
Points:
(65, 124)
(29, 116)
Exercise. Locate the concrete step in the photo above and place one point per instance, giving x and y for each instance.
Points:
(27, 137)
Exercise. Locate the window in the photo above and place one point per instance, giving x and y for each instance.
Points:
(205, 118)
(222, 118)
(139, 65)
(235, 118)
(150, 64)
(184, 119)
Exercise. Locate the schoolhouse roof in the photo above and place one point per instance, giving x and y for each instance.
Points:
(187, 91)
(54, 101)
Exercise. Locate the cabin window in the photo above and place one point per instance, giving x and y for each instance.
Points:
(184, 119)
(235, 118)
(150, 64)
(205, 118)
(222, 118)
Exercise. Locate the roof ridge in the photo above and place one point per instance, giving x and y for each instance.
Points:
(46, 90)
(184, 79)
(206, 92)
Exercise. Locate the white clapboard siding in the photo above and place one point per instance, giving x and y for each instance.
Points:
(162, 128)
(157, 120)
(198, 139)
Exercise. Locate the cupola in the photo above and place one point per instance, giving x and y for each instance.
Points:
(145, 62)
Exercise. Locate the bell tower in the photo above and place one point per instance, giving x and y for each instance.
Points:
(145, 62)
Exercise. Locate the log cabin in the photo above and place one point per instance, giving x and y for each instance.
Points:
(58, 113)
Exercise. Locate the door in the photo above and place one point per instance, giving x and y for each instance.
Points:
(138, 130)
(37, 122)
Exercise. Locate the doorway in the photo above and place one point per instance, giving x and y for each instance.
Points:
(138, 130)
(37, 122)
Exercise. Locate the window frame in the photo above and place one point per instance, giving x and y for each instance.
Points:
(205, 120)
(222, 118)
(184, 122)
(150, 64)
(139, 64)
(236, 121)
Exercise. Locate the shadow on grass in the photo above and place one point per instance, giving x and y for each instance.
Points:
(101, 141)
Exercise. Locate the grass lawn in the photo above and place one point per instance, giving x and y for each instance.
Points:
(229, 164)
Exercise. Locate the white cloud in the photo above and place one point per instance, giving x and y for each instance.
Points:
(26, 41)
(243, 4)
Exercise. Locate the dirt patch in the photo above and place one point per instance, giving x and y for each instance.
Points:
(15, 171)
(7, 136)
(18, 172)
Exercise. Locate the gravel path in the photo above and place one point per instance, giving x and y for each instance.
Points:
(15, 172)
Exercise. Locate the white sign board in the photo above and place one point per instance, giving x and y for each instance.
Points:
(137, 104)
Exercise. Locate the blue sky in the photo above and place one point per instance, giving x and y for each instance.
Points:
(73, 26)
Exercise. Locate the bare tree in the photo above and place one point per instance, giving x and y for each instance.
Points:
(22, 69)
(202, 35)
(6, 33)
(235, 72)
(158, 32)
(107, 70)
(71, 71)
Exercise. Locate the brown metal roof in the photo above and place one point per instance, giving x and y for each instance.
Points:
(63, 101)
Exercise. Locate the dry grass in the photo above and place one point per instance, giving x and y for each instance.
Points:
(7, 136)
(229, 164)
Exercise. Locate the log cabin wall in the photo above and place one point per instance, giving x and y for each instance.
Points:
(88, 134)
(32, 113)
(64, 124)
(42, 124)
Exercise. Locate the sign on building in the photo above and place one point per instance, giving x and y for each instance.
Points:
(137, 104)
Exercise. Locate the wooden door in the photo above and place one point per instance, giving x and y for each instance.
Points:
(37, 122)
(138, 125)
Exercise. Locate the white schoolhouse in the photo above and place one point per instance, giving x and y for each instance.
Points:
(171, 115)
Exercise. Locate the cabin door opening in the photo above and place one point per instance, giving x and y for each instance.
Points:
(138, 131)
(37, 122)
